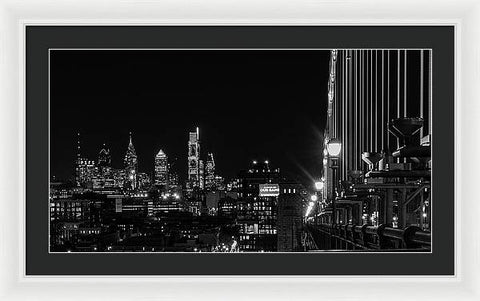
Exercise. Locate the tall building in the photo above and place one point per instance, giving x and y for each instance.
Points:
(210, 173)
(78, 161)
(104, 157)
(161, 169)
(257, 207)
(201, 168)
(173, 180)
(194, 167)
(84, 169)
(104, 177)
(290, 218)
(131, 165)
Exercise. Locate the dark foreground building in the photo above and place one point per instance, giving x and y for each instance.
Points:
(269, 210)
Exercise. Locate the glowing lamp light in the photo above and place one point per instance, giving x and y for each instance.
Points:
(266, 161)
(314, 198)
(334, 147)
(254, 162)
(319, 185)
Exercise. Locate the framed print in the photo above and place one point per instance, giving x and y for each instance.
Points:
(239, 150)
(189, 154)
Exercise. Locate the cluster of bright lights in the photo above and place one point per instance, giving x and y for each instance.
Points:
(140, 195)
(255, 162)
(167, 195)
(311, 204)
(319, 185)
(334, 147)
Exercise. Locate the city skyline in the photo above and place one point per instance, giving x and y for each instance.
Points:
(349, 170)
(253, 76)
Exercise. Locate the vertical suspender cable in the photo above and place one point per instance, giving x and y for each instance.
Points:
(421, 89)
(344, 110)
(383, 100)
(398, 93)
(398, 83)
(347, 114)
(355, 113)
(405, 89)
(361, 128)
(371, 100)
(376, 100)
(405, 83)
(388, 97)
(430, 92)
(367, 108)
(351, 133)
(335, 98)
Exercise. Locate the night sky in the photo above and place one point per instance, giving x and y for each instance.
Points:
(263, 104)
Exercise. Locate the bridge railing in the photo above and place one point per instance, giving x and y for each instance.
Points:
(383, 237)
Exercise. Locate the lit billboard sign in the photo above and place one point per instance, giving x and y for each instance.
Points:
(269, 190)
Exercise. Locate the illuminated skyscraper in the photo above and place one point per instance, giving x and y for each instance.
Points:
(194, 160)
(210, 172)
(103, 177)
(131, 164)
(78, 161)
(104, 157)
(173, 181)
(84, 168)
(201, 168)
(161, 169)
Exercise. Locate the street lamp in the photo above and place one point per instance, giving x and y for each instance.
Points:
(319, 185)
(334, 147)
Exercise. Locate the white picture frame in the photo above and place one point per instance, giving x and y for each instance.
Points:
(15, 15)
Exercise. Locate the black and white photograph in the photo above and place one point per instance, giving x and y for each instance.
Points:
(240, 150)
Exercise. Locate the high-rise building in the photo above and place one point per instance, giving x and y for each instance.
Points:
(84, 168)
(201, 168)
(290, 217)
(219, 182)
(194, 160)
(143, 180)
(161, 169)
(173, 180)
(104, 157)
(103, 177)
(131, 165)
(210, 173)
(257, 207)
